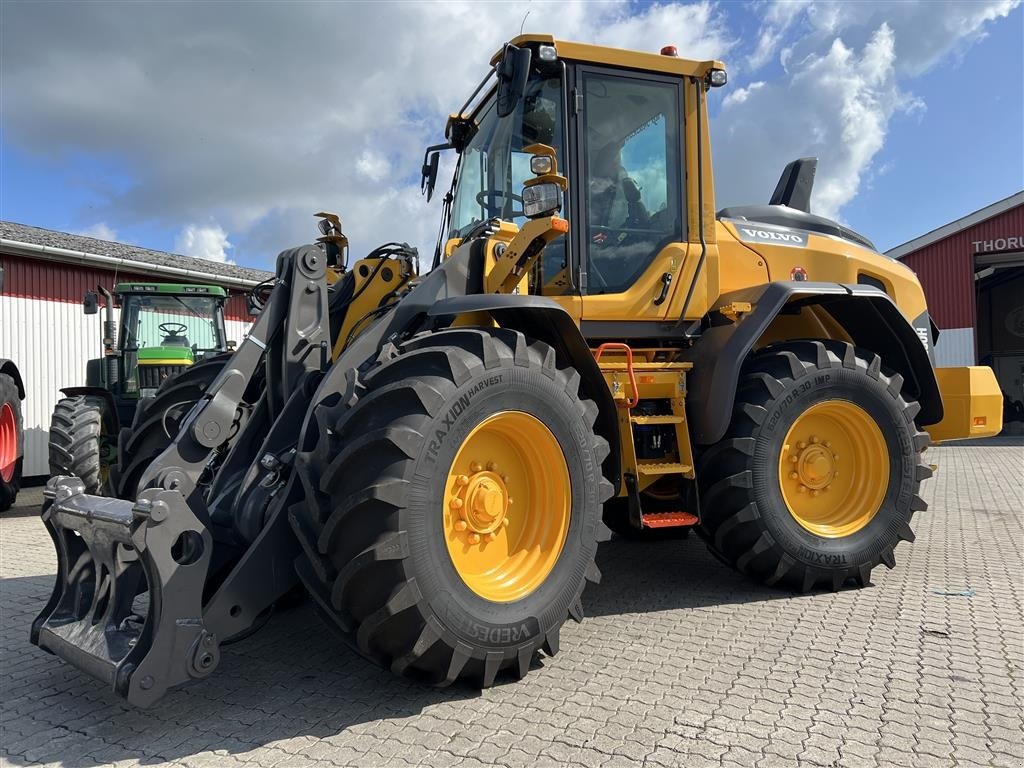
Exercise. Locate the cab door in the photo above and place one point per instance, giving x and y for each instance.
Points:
(630, 224)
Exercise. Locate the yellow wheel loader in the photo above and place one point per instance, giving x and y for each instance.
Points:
(434, 457)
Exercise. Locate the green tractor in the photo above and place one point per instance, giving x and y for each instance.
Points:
(165, 330)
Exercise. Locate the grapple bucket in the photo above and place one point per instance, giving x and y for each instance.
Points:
(127, 604)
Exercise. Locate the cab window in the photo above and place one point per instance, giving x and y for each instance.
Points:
(632, 191)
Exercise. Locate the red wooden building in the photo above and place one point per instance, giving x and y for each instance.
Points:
(972, 270)
(42, 326)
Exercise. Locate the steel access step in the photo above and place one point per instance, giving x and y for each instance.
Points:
(655, 468)
(668, 520)
(646, 420)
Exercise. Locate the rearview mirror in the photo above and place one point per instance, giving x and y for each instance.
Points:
(429, 179)
(90, 304)
(512, 71)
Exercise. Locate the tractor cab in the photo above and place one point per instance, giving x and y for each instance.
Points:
(165, 328)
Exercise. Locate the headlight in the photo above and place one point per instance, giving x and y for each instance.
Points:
(541, 164)
(541, 199)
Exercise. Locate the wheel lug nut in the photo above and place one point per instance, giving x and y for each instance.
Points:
(504, 523)
(490, 537)
(510, 501)
(814, 493)
(462, 480)
(492, 466)
(456, 504)
(461, 525)
(814, 438)
(801, 445)
(794, 459)
(793, 476)
(828, 443)
(802, 488)
(476, 466)
(504, 479)
(474, 538)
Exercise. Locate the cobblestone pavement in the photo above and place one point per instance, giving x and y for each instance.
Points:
(680, 662)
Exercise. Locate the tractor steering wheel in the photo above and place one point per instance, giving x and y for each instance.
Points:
(173, 329)
(484, 198)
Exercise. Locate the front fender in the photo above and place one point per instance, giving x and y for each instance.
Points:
(868, 316)
(541, 318)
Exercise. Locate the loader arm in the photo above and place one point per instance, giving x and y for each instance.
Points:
(188, 535)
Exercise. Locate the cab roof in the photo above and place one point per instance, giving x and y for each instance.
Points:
(618, 57)
(178, 289)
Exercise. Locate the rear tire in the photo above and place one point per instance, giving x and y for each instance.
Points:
(378, 546)
(760, 517)
(76, 431)
(156, 423)
(12, 442)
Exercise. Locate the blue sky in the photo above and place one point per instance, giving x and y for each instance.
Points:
(190, 127)
(965, 151)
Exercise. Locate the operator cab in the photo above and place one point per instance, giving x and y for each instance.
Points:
(618, 136)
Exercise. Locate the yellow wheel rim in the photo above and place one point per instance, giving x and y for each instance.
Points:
(506, 506)
(834, 469)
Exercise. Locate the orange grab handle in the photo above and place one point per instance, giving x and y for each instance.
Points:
(618, 345)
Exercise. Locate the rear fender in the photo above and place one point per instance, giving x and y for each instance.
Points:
(541, 318)
(111, 421)
(9, 368)
(866, 314)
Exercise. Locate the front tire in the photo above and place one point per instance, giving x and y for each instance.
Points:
(817, 479)
(452, 422)
(76, 441)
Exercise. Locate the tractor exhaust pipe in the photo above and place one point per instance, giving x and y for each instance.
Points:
(109, 336)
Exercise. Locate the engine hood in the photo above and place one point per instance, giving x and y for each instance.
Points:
(782, 217)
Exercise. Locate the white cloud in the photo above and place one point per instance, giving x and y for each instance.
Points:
(100, 230)
(776, 21)
(925, 32)
(373, 165)
(739, 95)
(257, 120)
(836, 106)
(847, 66)
(208, 242)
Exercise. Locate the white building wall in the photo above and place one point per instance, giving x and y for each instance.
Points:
(51, 342)
(236, 330)
(955, 347)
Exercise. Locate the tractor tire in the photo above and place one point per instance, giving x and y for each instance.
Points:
(817, 479)
(156, 423)
(389, 558)
(12, 442)
(76, 428)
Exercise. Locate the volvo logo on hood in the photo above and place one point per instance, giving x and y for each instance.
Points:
(763, 233)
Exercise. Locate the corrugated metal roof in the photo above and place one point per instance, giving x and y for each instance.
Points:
(23, 233)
